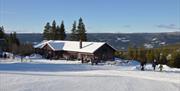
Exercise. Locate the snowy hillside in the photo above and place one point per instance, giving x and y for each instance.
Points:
(118, 40)
(62, 75)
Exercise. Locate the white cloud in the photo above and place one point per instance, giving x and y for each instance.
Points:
(170, 26)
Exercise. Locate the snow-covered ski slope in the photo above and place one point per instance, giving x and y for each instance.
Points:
(44, 75)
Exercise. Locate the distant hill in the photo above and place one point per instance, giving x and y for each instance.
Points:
(118, 40)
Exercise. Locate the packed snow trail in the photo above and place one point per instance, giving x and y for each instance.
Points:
(20, 82)
(158, 76)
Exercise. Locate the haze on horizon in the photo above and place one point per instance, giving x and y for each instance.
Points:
(99, 16)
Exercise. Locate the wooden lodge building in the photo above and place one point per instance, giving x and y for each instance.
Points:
(85, 51)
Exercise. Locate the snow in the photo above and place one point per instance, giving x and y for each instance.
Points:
(29, 82)
(42, 44)
(35, 56)
(165, 68)
(121, 38)
(118, 38)
(55, 75)
(154, 39)
(122, 48)
(148, 45)
(57, 45)
(162, 43)
(8, 54)
(125, 40)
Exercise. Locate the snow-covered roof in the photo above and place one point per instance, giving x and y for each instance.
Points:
(41, 44)
(57, 45)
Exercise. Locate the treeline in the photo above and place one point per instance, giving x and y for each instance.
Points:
(169, 55)
(51, 32)
(10, 43)
(57, 32)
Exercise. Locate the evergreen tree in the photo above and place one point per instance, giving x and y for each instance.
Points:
(15, 39)
(58, 32)
(175, 59)
(2, 34)
(53, 34)
(46, 33)
(81, 31)
(12, 43)
(62, 34)
(3, 45)
(73, 35)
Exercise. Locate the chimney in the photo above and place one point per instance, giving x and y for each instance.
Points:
(80, 44)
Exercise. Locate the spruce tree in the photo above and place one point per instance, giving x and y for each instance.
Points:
(53, 34)
(62, 31)
(73, 35)
(46, 33)
(3, 45)
(81, 31)
(58, 31)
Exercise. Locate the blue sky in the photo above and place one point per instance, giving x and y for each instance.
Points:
(115, 16)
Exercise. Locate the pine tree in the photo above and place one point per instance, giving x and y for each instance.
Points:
(62, 31)
(73, 35)
(46, 33)
(81, 31)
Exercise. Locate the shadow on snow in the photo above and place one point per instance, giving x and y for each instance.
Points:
(47, 67)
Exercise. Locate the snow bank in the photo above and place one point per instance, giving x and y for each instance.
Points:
(54, 61)
(35, 56)
(122, 62)
(165, 68)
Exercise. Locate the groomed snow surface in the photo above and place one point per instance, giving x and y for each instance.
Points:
(62, 75)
